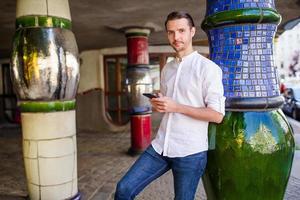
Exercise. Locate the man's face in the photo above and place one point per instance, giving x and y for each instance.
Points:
(180, 34)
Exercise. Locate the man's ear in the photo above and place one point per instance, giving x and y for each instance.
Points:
(193, 31)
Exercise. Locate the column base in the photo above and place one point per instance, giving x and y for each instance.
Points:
(140, 133)
(135, 152)
(76, 197)
(50, 174)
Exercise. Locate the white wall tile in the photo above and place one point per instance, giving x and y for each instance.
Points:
(34, 192)
(43, 126)
(59, 8)
(31, 7)
(32, 171)
(75, 187)
(55, 171)
(56, 148)
(57, 192)
(30, 149)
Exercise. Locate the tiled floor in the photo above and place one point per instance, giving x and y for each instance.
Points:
(102, 160)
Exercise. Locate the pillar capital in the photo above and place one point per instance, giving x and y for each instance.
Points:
(137, 31)
(137, 45)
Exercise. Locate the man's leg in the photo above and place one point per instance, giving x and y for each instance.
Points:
(187, 172)
(147, 168)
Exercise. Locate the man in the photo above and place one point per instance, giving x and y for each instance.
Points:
(191, 96)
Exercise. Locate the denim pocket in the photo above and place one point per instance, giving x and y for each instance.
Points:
(198, 155)
(151, 151)
(194, 163)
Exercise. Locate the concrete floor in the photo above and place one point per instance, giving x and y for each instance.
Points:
(102, 160)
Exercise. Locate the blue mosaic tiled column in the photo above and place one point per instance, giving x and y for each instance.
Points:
(252, 150)
(243, 48)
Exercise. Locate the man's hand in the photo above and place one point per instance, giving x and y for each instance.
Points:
(164, 104)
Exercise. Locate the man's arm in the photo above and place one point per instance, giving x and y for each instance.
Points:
(166, 104)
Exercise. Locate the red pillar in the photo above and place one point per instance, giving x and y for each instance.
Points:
(138, 81)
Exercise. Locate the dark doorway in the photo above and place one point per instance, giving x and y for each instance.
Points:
(8, 100)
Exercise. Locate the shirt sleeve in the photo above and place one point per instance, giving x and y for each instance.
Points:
(162, 81)
(213, 89)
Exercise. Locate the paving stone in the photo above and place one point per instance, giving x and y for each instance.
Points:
(102, 196)
(102, 161)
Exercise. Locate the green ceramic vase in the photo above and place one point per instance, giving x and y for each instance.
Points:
(250, 156)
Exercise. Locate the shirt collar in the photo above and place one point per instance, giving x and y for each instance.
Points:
(178, 60)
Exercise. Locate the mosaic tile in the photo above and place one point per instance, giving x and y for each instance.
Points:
(246, 59)
(215, 6)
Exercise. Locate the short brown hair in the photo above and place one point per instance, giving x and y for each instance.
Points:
(179, 15)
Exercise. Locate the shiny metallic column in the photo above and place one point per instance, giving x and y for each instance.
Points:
(138, 81)
(45, 74)
(251, 152)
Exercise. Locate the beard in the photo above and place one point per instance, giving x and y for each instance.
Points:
(176, 47)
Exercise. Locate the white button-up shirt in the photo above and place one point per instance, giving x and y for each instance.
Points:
(195, 81)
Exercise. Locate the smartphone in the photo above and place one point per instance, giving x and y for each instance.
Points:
(150, 95)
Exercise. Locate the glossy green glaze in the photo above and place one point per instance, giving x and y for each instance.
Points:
(250, 156)
(251, 15)
(43, 21)
(47, 106)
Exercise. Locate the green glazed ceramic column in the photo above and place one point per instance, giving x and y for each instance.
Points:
(251, 151)
(45, 74)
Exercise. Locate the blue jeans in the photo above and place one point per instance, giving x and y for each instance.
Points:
(187, 172)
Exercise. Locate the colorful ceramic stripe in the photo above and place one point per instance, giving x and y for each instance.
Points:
(253, 15)
(216, 6)
(47, 106)
(43, 21)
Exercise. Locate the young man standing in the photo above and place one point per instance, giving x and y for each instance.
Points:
(191, 97)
